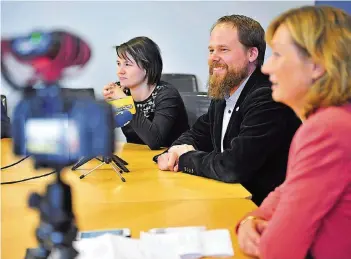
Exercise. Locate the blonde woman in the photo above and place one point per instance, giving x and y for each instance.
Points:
(309, 215)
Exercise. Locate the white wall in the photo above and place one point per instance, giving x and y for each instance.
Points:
(181, 29)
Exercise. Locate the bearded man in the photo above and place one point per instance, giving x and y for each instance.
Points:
(245, 136)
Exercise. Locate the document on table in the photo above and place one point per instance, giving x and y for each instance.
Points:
(170, 243)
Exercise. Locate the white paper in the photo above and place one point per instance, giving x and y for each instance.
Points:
(110, 246)
(176, 229)
(217, 243)
(184, 243)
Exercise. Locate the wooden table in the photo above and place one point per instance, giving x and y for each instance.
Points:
(150, 198)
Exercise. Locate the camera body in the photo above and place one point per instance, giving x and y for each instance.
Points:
(57, 130)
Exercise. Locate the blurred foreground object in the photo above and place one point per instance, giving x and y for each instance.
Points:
(55, 129)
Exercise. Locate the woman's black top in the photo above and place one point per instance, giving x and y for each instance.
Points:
(159, 120)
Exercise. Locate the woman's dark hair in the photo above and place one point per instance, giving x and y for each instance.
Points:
(146, 54)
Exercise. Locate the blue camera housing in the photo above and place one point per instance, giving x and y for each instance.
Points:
(93, 128)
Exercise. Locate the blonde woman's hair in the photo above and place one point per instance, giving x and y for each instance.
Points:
(322, 33)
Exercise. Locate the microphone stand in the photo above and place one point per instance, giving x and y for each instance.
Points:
(117, 163)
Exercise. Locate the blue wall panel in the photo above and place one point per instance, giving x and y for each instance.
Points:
(346, 5)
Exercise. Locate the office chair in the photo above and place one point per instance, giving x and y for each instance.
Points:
(79, 92)
(113, 160)
(183, 82)
(196, 104)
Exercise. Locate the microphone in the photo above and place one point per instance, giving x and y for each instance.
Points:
(123, 109)
(123, 118)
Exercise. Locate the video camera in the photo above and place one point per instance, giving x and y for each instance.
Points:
(56, 130)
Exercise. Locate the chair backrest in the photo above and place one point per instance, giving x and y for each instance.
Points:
(196, 104)
(4, 102)
(79, 92)
(183, 82)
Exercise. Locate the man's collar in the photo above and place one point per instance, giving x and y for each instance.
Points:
(237, 92)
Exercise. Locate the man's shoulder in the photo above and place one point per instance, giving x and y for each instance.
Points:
(263, 90)
(258, 85)
(260, 99)
(260, 93)
(258, 79)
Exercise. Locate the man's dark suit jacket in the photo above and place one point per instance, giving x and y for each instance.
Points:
(256, 143)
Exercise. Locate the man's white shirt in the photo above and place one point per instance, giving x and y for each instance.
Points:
(229, 109)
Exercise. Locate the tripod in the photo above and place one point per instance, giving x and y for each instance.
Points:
(117, 163)
(57, 229)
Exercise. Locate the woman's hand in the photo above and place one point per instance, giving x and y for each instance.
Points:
(249, 235)
(113, 91)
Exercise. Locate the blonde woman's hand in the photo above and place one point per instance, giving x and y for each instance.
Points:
(249, 235)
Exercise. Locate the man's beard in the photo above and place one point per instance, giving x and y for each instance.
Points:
(220, 86)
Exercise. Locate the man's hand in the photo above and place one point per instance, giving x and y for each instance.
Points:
(168, 162)
(181, 149)
(249, 235)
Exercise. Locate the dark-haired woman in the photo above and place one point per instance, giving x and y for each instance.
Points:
(160, 116)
